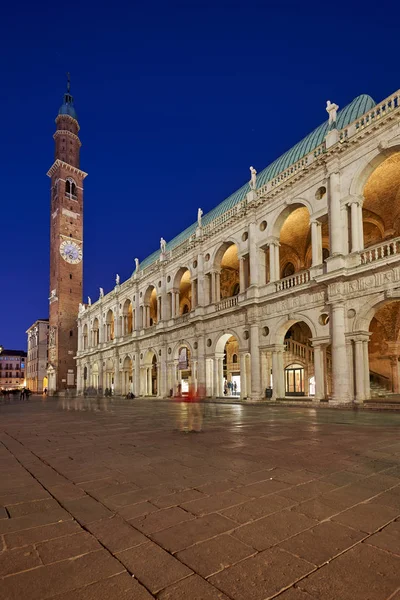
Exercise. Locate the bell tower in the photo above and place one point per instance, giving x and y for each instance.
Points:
(66, 248)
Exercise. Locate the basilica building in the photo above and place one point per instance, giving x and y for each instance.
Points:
(288, 288)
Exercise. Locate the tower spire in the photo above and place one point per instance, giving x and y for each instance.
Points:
(68, 83)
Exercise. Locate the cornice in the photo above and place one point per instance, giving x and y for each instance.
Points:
(60, 163)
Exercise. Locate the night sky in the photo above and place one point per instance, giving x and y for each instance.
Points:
(175, 101)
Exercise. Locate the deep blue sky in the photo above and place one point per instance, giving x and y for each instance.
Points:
(175, 101)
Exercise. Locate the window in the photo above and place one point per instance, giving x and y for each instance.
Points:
(70, 187)
(70, 275)
(71, 333)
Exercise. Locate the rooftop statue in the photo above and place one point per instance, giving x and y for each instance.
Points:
(101, 293)
(253, 179)
(89, 301)
(199, 215)
(163, 245)
(117, 279)
(331, 109)
(136, 264)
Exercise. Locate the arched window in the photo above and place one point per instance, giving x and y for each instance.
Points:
(70, 187)
(185, 309)
(234, 358)
(325, 254)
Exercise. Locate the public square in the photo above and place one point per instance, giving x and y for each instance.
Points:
(108, 500)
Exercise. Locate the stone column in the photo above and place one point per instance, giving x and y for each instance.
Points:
(241, 274)
(264, 371)
(340, 376)
(218, 286)
(216, 377)
(201, 281)
(194, 294)
(159, 309)
(360, 224)
(316, 243)
(367, 389)
(176, 293)
(117, 387)
(163, 390)
(79, 386)
(79, 336)
(278, 375)
(255, 362)
(136, 374)
(356, 226)
(319, 372)
(201, 366)
(253, 256)
(220, 376)
(359, 364)
(335, 223)
(274, 264)
(243, 378)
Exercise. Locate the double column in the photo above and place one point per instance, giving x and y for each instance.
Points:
(174, 303)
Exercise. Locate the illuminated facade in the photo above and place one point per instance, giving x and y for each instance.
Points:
(12, 369)
(36, 362)
(292, 283)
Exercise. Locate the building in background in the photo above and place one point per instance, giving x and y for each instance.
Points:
(12, 369)
(36, 363)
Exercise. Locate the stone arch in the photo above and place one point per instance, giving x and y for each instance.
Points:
(110, 326)
(229, 377)
(282, 326)
(225, 281)
(182, 284)
(369, 164)
(280, 218)
(381, 202)
(127, 317)
(127, 375)
(378, 329)
(292, 227)
(178, 345)
(95, 382)
(95, 332)
(219, 252)
(149, 371)
(149, 308)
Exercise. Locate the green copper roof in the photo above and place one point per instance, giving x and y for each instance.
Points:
(347, 115)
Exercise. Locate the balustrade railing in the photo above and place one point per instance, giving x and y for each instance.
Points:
(375, 114)
(227, 303)
(294, 280)
(300, 350)
(379, 251)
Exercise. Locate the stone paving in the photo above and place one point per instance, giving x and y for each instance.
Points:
(107, 501)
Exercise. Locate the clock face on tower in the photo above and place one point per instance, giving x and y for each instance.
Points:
(71, 252)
